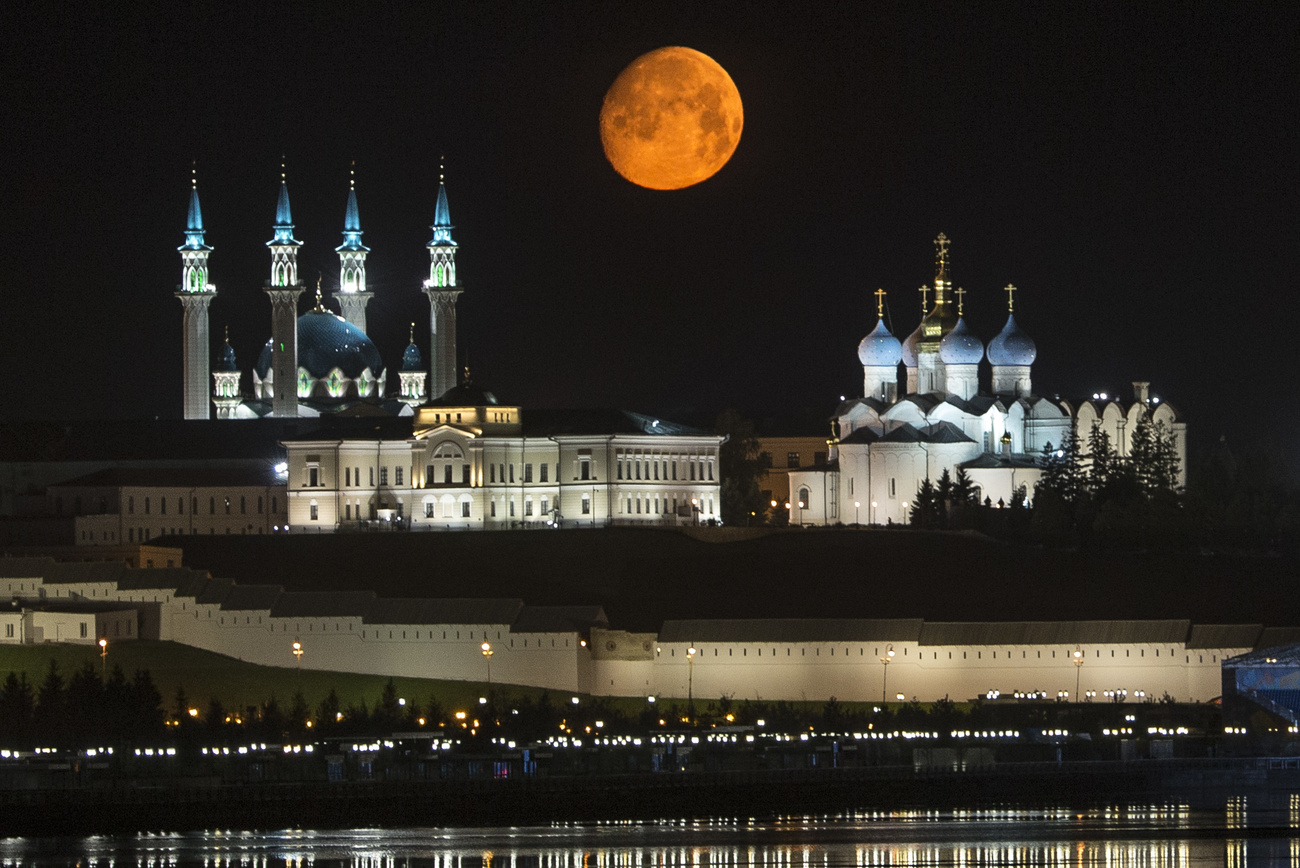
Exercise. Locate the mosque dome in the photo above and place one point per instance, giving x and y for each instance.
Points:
(880, 348)
(960, 346)
(909, 347)
(327, 341)
(1012, 346)
(465, 395)
(411, 358)
(226, 360)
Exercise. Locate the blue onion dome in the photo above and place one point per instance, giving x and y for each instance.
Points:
(327, 341)
(880, 348)
(226, 359)
(960, 346)
(909, 347)
(411, 358)
(1012, 346)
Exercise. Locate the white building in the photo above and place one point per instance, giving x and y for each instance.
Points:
(936, 417)
(573, 648)
(467, 461)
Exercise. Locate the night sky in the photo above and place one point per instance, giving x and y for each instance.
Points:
(1131, 167)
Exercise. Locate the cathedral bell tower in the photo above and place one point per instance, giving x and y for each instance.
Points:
(352, 294)
(284, 290)
(443, 290)
(196, 294)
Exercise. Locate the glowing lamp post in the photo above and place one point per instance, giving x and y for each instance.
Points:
(1078, 670)
(297, 653)
(906, 516)
(103, 658)
(871, 517)
(884, 679)
(690, 681)
(486, 648)
(856, 506)
(695, 510)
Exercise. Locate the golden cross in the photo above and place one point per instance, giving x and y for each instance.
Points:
(941, 254)
(960, 293)
(1010, 291)
(880, 303)
(925, 298)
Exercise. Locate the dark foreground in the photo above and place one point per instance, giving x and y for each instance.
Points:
(179, 807)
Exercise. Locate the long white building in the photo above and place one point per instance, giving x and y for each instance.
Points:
(575, 649)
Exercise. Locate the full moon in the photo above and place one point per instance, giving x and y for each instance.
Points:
(671, 119)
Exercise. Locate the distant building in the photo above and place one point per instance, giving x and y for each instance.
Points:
(936, 417)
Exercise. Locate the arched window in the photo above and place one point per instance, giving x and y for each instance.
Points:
(803, 498)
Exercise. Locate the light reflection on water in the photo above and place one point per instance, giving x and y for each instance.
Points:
(1263, 832)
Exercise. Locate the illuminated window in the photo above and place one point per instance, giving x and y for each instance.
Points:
(315, 511)
(586, 505)
(792, 459)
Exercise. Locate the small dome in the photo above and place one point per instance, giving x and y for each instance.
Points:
(909, 347)
(960, 346)
(327, 341)
(411, 359)
(880, 348)
(226, 359)
(1012, 346)
(465, 395)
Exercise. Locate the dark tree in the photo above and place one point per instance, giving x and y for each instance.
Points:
(740, 467)
(17, 709)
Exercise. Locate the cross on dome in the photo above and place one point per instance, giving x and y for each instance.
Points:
(1010, 290)
(941, 256)
(925, 298)
(960, 300)
(880, 303)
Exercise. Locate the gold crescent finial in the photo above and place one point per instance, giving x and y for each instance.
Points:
(319, 305)
(1010, 290)
(227, 333)
(880, 303)
(412, 332)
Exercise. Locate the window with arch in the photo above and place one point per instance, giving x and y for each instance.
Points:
(803, 498)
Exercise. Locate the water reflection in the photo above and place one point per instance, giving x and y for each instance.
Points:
(1113, 836)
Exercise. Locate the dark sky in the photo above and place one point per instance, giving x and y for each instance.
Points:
(1131, 167)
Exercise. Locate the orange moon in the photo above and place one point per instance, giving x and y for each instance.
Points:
(671, 119)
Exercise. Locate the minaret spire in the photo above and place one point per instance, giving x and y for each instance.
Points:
(281, 384)
(443, 290)
(353, 296)
(196, 293)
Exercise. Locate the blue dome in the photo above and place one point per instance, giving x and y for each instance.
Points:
(411, 359)
(909, 347)
(1012, 346)
(327, 341)
(880, 348)
(960, 346)
(226, 360)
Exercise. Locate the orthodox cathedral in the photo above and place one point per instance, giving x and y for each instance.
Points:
(319, 362)
(887, 442)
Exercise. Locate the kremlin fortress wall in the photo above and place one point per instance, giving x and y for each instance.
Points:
(575, 649)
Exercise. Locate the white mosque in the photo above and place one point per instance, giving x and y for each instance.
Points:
(888, 441)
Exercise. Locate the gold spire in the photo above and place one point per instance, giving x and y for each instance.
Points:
(466, 374)
(412, 332)
(1010, 290)
(941, 278)
(880, 303)
(925, 298)
(320, 307)
(961, 293)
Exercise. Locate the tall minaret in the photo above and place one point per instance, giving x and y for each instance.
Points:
(443, 290)
(195, 293)
(352, 295)
(284, 290)
(931, 376)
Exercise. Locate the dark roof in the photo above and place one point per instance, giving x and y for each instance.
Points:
(243, 597)
(987, 461)
(1224, 635)
(939, 432)
(559, 619)
(176, 477)
(464, 395)
(549, 423)
(862, 435)
(976, 405)
(77, 606)
(344, 427)
(71, 573)
(417, 611)
(792, 630)
(1054, 632)
(213, 592)
(170, 578)
(322, 604)
(24, 568)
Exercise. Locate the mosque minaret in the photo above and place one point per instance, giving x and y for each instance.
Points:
(196, 294)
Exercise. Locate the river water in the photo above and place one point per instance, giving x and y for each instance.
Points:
(1233, 831)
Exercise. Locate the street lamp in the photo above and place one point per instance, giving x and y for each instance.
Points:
(103, 658)
(486, 648)
(856, 506)
(906, 517)
(1078, 670)
(884, 679)
(695, 510)
(297, 653)
(872, 516)
(690, 681)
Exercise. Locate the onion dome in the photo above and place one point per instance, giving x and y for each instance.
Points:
(411, 359)
(910, 347)
(960, 346)
(1012, 346)
(226, 359)
(880, 348)
(327, 341)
